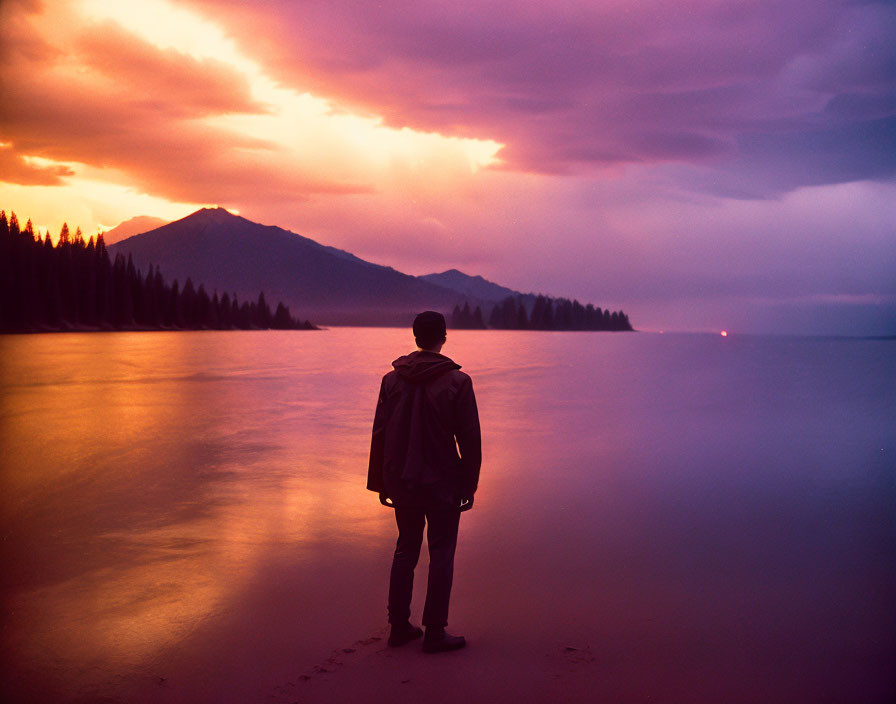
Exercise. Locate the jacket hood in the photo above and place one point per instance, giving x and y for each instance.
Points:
(422, 366)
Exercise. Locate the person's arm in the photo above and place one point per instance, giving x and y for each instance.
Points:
(469, 439)
(377, 445)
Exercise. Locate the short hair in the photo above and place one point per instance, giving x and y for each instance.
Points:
(429, 329)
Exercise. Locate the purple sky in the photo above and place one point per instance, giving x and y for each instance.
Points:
(700, 164)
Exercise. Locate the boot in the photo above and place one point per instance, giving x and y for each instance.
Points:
(437, 641)
(402, 633)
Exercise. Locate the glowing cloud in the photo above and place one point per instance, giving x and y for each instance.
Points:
(178, 111)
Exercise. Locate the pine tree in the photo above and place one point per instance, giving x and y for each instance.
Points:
(202, 311)
(549, 314)
(187, 305)
(262, 313)
(508, 313)
(282, 318)
(235, 321)
(522, 323)
(494, 318)
(88, 284)
(52, 314)
(478, 322)
(563, 314)
(172, 307)
(214, 315)
(134, 291)
(225, 316)
(455, 317)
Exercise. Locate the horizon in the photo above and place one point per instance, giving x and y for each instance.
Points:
(671, 331)
(724, 168)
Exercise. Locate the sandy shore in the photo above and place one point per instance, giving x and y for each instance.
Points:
(369, 670)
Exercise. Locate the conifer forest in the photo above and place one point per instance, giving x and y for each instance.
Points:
(75, 285)
(546, 313)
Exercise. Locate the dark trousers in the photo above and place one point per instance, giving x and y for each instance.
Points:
(441, 535)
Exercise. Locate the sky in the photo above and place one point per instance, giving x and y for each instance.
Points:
(700, 164)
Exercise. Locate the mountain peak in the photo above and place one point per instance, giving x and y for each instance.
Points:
(458, 275)
(213, 214)
(471, 286)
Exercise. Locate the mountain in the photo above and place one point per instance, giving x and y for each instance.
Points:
(226, 252)
(471, 287)
(129, 228)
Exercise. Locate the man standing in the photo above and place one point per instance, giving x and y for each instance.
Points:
(426, 412)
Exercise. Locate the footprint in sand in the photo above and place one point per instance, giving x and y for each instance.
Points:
(571, 658)
(337, 659)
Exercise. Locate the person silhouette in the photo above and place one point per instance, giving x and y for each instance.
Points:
(425, 457)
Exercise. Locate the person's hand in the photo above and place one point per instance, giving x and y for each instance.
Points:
(385, 500)
(466, 503)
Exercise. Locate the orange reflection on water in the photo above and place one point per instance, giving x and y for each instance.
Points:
(170, 473)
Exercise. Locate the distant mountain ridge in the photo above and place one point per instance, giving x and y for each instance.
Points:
(229, 253)
(472, 287)
(134, 226)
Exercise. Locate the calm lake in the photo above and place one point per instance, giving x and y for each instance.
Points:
(702, 519)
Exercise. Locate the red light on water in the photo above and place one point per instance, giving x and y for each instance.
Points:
(724, 333)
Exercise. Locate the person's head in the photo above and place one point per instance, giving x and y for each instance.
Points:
(429, 330)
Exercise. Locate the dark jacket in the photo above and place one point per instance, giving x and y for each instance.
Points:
(425, 404)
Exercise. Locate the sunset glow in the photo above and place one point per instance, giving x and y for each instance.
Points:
(256, 255)
(590, 150)
(324, 149)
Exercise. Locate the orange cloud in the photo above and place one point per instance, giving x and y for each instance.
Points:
(115, 93)
(165, 80)
(18, 169)
(121, 104)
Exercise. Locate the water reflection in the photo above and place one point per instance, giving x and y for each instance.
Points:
(191, 506)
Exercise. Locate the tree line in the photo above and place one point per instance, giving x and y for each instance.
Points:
(75, 284)
(546, 314)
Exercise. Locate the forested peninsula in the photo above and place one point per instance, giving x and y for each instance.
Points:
(75, 285)
(79, 285)
(545, 314)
